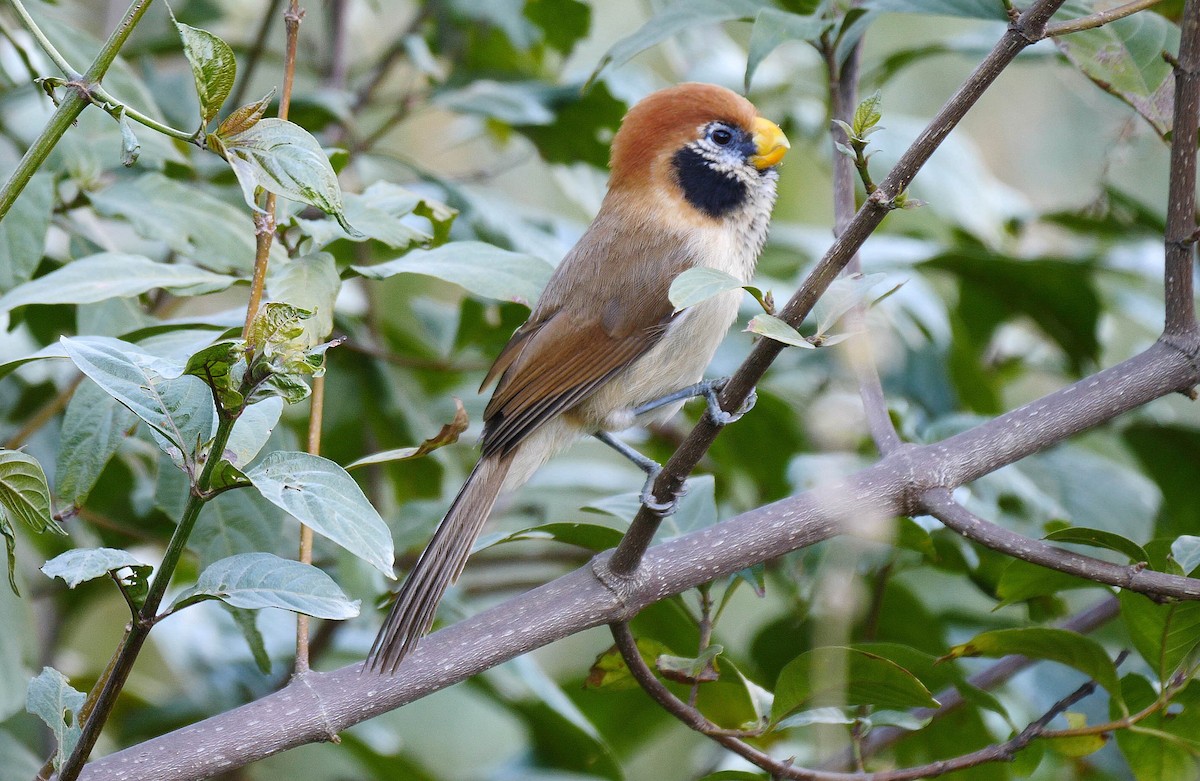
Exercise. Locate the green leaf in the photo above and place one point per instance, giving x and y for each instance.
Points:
(320, 494)
(1077, 745)
(1057, 645)
(51, 698)
(247, 623)
(237, 522)
(972, 9)
(774, 328)
(1100, 538)
(1023, 580)
(690, 670)
(24, 494)
(672, 19)
(482, 269)
(1166, 454)
(214, 69)
(23, 231)
(1124, 57)
(191, 221)
(218, 365)
(609, 671)
(309, 282)
(178, 409)
(377, 213)
(867, 115)
(252, 430)
(700, 284)
(1186, 551)
(869, 679)
(585, 535)
(113, 275)
(563, 22)
(284, 158)
(1164, 634)
(583, 121)
(773, 27)
(82, 564)
(93, 428)
(257, 580)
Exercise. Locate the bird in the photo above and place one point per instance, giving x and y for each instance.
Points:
(693, 179)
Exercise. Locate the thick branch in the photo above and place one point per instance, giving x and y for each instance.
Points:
(1181, 205)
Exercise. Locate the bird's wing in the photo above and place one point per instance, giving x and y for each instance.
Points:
(573, 344)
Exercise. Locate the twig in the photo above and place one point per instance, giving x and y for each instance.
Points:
(1098, 19)
(1024, 31)
(315, 416)
(75, 101)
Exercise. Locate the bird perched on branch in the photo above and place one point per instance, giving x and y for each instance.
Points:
(693, 183)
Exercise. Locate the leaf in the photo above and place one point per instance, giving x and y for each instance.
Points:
(82, 564)
(1099, 538)
(178, 409)
(377, 213)
(1023, 580)
(113, 275)
(842, 295)
(563, 22)
(869, 680)
(585, 535)
(583, 121)
(672, 19)
(972, 9)
(1164, 634)
(245, 117)
(1166, 454)
(1186, 551)
(320, 494)
(283, 158)
(609, 671)
(1166, 746)
(773, 27)
(93, 428)
(246, 622)
(867, 115)
(774, 328)
(131, 148)
(482, 269)
(1124, 57)
(309, 282)
(1056, 645)
(51, 698)
(23, 232)
(700, 284)
(448, 435)
(192, 222)
(256, 580)
(1077, 745)
(252, 430)
(690, 670)
(24, 494)
(214, 68)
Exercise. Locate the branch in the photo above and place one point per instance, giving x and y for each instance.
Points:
(1181, 205)
(1098, 19)
(591, 596)
(1021, 33)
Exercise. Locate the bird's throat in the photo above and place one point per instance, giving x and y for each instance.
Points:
(714, 193)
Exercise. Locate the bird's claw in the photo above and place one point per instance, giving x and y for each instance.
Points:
(718, 415)
(651, 502)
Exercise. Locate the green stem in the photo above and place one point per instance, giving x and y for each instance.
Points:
(70, 108)
(110, 685)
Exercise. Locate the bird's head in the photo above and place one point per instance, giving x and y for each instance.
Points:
(701, 144)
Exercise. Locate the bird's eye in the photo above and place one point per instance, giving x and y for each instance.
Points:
(721, 136)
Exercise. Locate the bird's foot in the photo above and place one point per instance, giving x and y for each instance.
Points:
(718, 415)
(651, 502)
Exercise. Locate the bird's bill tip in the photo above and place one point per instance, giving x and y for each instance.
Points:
(770, 144)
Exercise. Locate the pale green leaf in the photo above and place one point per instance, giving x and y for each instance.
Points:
(51, 698)
(24, 494)
(774, 328)
(257, 580)
(213, 68)
(700, 284)
(23, 231)
(94, 426)
(309, 282)
(772, 27)
(82, 564)
(481, 268)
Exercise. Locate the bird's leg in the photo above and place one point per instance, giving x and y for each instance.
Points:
(652, 469)
(709, 390)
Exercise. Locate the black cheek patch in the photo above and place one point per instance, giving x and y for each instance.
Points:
(712, 192)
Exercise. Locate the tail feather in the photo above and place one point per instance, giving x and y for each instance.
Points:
(439, 565)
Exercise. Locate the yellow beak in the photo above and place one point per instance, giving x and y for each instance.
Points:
(770, 143)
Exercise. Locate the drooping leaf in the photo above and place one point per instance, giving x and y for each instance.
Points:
(1058, 645)
(82, 564)
(774, 328)
(23, 231)
(51, 698)
(378, 213)
(322, 495)
(24, 494)
(482, 269)
(1100, 538)
(609, 671)
(214, 69)
(772, 27)
(585, 535)
(869, 680)
(448, 435)
(247, 623)
(94, 426)
(309, 282)
(699, 284)
(257, 580)
(113, 275)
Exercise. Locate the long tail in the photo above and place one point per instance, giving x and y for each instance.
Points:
(439, 565)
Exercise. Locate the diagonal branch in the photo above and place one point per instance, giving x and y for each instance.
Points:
(1181, 204)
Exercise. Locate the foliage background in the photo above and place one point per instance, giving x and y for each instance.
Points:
(1036, 260)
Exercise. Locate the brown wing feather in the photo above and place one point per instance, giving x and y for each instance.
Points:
(575, 343)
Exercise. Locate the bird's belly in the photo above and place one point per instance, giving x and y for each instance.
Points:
(676, 361)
